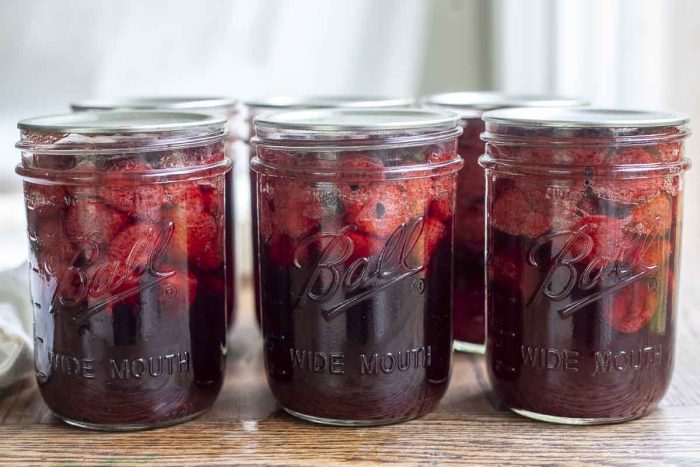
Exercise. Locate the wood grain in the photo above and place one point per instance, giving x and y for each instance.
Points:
(469, 427)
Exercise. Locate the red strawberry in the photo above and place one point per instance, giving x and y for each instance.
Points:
(513, 213)
(654, 216)
(320, 202)
(141, 201)
(369, 167)
(632, 307)
(292, 207)
(418, 195)
(383, 211)
(94, 219)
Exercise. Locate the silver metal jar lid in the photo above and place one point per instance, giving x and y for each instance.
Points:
(120, 122)
(326, 129)
(327, 102)
(357, 120)
(584, 117)
(473, 103)
(157, 103)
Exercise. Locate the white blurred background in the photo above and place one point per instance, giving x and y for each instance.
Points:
(624, 53)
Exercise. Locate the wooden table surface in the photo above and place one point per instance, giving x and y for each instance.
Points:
(245, 425)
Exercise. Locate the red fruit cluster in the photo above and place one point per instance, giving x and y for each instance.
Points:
(291, 211)
(623, 222)
(112, 229)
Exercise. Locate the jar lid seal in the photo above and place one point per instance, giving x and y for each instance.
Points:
(584, 117)
(158, 103)
(469, 103)
(120, 122)
(357, 120)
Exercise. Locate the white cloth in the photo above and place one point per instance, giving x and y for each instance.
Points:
(16, 350)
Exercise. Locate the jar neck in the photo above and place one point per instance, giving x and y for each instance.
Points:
(91, 177)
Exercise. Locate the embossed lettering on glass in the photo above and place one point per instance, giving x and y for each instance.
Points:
(355, 259)
(469, 313)
(127, 232)
(583, 246)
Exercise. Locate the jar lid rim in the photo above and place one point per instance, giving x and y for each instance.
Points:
(292, 102)
(351, 120)
(583, 117)
(118, 121)
(470, 101)
(157, 103)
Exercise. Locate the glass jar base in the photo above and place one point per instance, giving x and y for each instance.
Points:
(572, 420)
(346, 423)
(470, 347)
(128, 426)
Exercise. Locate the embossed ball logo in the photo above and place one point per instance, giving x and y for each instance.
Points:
(365, 276)
(105, 280)
(575, 271)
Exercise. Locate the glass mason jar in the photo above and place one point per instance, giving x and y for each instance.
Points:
(257, 107)
(218, 105)
(469, 313)
(355, 235)
(126, 222)
(583, 246)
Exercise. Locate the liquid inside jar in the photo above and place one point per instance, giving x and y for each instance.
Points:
(582, 274)
(128, 281)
